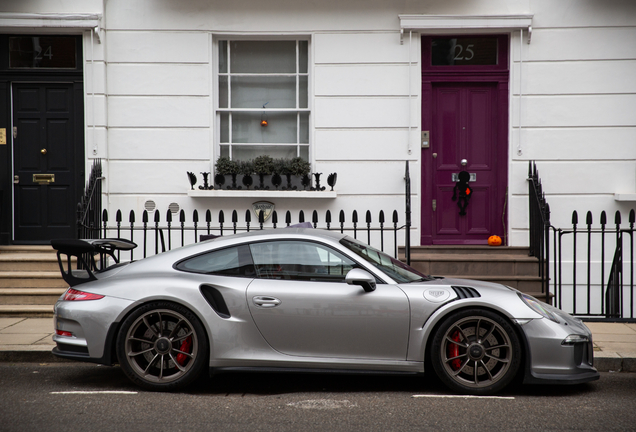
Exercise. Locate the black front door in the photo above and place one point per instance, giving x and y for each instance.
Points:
(46, 154)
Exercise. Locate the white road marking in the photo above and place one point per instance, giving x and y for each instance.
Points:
(464, 397)
(95, 392)
(322, 404)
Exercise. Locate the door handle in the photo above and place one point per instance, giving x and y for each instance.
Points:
(266, 301)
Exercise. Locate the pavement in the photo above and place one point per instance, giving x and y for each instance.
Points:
(30, 340)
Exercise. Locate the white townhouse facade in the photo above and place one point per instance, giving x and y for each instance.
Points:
(157, 88)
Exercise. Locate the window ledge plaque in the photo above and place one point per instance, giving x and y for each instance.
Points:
(250, 193)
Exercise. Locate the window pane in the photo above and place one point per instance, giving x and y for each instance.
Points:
(302, 56)
(225, 128)
(254, 92)
(235, 261)
(263, 56)
(304, 128)
(42, 52)
(246, 127)
(223, 56)
(225, 151)
(302, 91)
(250, 152)
(223, 91)
(464, 51)
(304, 152)
(298, 260)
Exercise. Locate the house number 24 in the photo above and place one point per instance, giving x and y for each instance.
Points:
(464, 54)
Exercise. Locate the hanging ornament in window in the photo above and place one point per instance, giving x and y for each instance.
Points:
(264, 121)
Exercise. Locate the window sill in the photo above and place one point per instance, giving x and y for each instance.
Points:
(261, 194)
(625, 196)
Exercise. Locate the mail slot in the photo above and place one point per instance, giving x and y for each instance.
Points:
(43, 178)
(473, 177)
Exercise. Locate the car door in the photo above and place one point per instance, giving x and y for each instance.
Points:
(303, 307)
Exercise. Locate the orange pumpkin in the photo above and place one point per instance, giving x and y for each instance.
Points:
(494, 240)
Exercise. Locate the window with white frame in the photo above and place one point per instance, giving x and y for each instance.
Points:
(263, 98)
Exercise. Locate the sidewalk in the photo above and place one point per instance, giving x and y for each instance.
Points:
(30, 340)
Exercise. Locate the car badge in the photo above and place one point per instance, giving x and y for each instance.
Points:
(436, 295)
(263, 206)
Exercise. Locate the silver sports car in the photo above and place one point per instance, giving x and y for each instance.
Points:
(305, 299)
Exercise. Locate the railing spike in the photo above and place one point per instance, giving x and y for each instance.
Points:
(603, 218)
(341, 216)
(131, 216)
(234, 216)
(182, 216)
(328, 217)
(632, 216)
(395, 216)
(208, 216)
(381, 216)
(144, 216)
(288, 217)
(195, 216)
(301, 217)
(118, 216)
(617, 217)
(105, 215)
(157, 216)
(368, 217)
(354, 217)
(588, 218)
(221, 217)
(274, 217)
(248, 216)
(575, 218)
(314, 217)
(168, 216)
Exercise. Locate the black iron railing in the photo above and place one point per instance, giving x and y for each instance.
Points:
(155, 234)
(589, 275)
(89, 209)
(539, 221)
(593, 277)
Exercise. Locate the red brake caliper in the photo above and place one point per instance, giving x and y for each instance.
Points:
(185, 347)
(453, 351)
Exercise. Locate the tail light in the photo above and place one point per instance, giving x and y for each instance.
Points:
(75, 295)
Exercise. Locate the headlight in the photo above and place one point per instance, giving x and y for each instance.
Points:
(538, 307)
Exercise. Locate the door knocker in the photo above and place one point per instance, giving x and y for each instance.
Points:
(462, 191)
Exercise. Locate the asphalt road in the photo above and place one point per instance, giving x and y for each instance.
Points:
(43, 397)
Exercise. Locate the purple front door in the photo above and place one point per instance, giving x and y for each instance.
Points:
(464, 129)
(465, 111)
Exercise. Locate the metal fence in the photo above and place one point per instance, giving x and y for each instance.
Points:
(586, 271)
(156, 235)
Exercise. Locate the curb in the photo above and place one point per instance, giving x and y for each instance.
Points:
(37, 355)
(614, 362)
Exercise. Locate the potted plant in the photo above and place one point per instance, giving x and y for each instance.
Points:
(263, 166)
(247, 169)
(224, 166)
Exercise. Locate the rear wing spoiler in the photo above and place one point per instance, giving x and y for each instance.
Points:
(84, 251)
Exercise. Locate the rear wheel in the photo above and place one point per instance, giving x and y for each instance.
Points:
(476, 352)
(162, 346)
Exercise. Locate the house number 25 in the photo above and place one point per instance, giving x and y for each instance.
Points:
(465, 55)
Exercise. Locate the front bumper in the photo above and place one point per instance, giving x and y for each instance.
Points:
(93, 325)
(550, 360)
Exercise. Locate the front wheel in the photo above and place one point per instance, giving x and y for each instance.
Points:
(162, 346)
(476, 352)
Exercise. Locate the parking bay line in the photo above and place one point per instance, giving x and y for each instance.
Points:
(464, 397)
(94, 392)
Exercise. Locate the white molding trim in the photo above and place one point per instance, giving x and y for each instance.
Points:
(455, 23)
(79, 21)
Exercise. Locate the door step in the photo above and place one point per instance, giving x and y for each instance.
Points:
(30, 281)
(502, 264)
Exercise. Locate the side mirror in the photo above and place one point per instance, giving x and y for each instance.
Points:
(361, 278)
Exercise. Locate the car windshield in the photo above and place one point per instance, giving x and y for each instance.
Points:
(399, 271)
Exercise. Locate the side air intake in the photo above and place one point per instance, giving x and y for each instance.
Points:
(465, 292)
(215, 300)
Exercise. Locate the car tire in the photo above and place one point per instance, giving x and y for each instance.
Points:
(475, 352)
(162, 346)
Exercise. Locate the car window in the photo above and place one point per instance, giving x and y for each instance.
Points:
(234, 261)
(396, 269)
(300, 260)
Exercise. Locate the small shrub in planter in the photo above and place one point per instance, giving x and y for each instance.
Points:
(224, 166)
(263, 166)
(247, 169)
